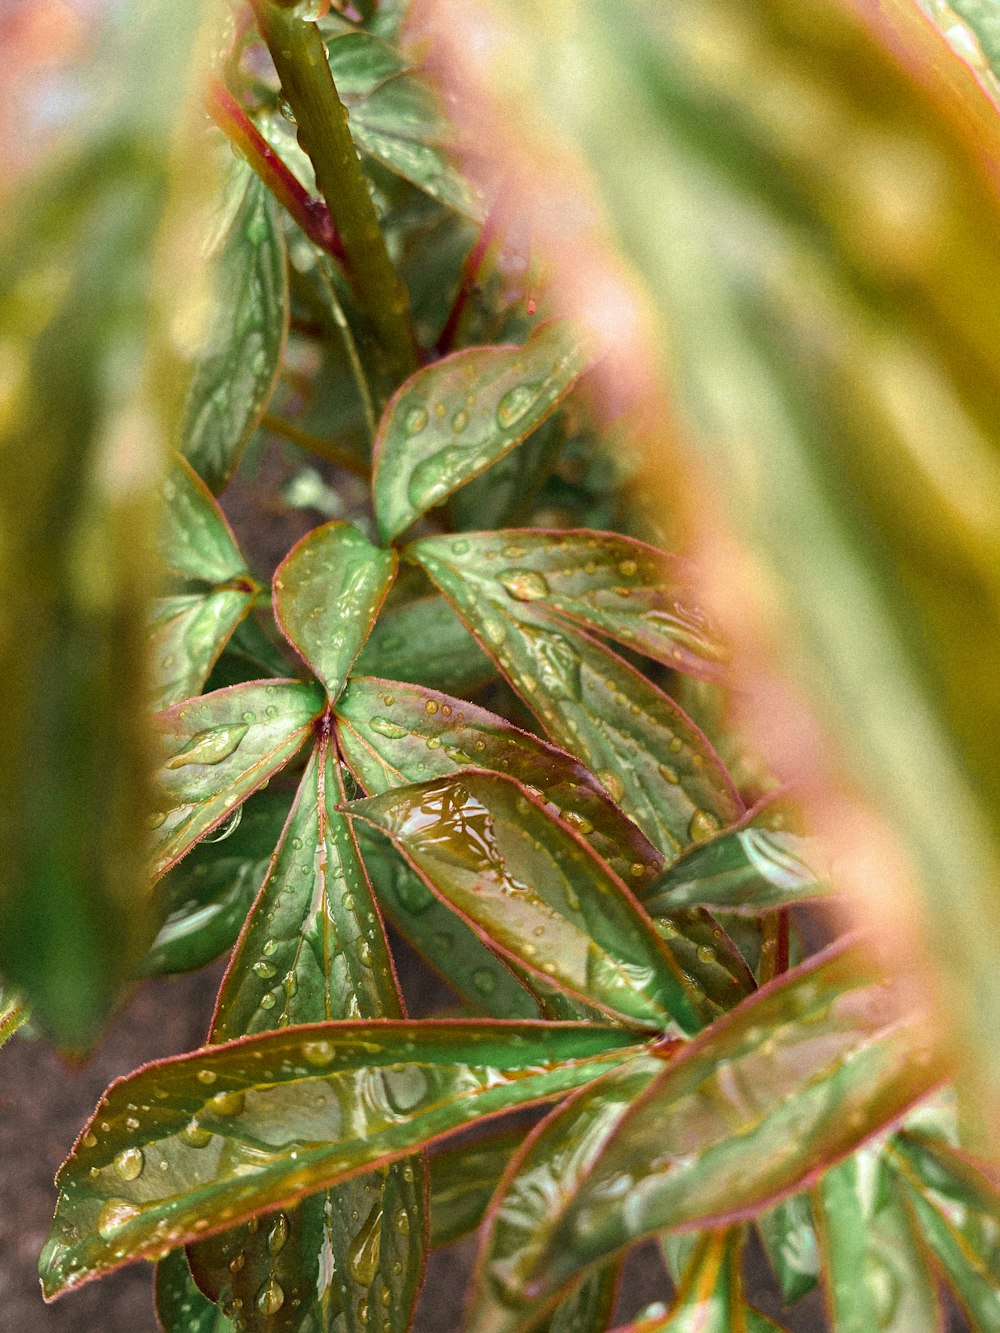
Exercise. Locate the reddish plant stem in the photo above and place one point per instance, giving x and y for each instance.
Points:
(311, 214)
(470, 273)
(781, 961)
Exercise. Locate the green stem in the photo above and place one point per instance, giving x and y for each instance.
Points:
(299, 56)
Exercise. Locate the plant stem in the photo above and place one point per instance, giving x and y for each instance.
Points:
(328, 450)
(299, 56)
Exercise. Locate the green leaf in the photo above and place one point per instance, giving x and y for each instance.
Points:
(180, 1306)
(589, 1308)
(327, 593)
(750, 868)
(875, 1271)
(395, 118)
(218, 749)
(450, 421)
(443, 939)
(189, 632)
(463, 1179)
(603, 582)
(789, 1082)
(425, 643)
(13, 1012)
(710, 1298)
(209, 894)
(195, 540)
(236, 363)
(789, 1238)
(533, 889)
(529, 1201)
(651, 758)
(258, 1123)
(313, 948)
(508, 491)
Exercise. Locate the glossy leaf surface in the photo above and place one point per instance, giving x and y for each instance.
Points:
(209, 894)
(195, 540)
(189, 631)
(180, 1306)
(443, 939)
(606, 583)
(875, 1269)
(450, 421)
(701, 1147)
(258, 1123)
(218, 749)
(651, 758)
(463, 1178)
(13, 1012)
(425, 643)
(236, 364)
(710, 1299)
(327, 592)
(789, 1239)
(534, 889)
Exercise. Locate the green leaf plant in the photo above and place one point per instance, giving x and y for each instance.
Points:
(480, 734)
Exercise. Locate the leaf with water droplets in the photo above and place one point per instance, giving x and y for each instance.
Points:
(540, 1177)
(463, 1179)
(424, 642)
(327, 594)
(450, 421)
(218, 749)
(195, 542)
(180, 1306)
(793, 1079)
(236, 364)
(605, 583)
(789, 1239)
(208, 895)
(442, 939)
(535, 891)
(874, 1269)
(651, 758)
(257, 1124)
(188, 633)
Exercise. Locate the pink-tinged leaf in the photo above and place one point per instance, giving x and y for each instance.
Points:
(789, 1239)
(219, 748)
(189, 631)
(533, 1192)
(202, 1142)
(195, 539)
(327, 593)
(450, 421)
(423, 641)
(648, 754)
(180, 1306)
(13, 1012)
(605, 583)
(534, 890)
(782, 1088)
(874, 1269)
(710, 1298)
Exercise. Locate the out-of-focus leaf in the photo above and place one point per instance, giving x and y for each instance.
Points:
(84, 422)
(219, 748)
(313, 949)
(258, 1124)
(651, 758)
(710, 1298)
(450, 421)
(589, 1307)
(425, 643)
(791, 1081)
(789, 1238)
(750, 868)
(327, 592)
(236, 362)
(973, 29)
(13, 1012)
(874, 1268)
(532, 1195)
(606, 583)
(180, 1306)
(463, 1179)
(209, 894)
(443, 939)
(536, 891)
(395, 118)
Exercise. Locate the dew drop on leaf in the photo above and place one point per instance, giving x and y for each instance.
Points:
(525, 586)
(366, 1249)
(129, 1163)
(277, 1237)
(391, 730)
(270, 1298)
(209, 747)
(702, 825)
(484, 981)
(113, 1216)
(611, 783)
(515, 403)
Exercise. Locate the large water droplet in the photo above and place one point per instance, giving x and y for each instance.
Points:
(277, 1237)
(228, 828)
(611, 783)
(264, 970)
(391, 730)
(702, 826)
(270, 1298)
(366, 1249)
(364, 952)
(227, 1103)
(525, 585)
(515, 404)
(209, 747)
(459, 421)
(415, 420)
(129, 1163)
(194, 1136)
(484, 980)
(318, 1052)
(113, 1216)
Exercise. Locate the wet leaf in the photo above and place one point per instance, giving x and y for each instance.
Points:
(236, 363)
(606, 583)
(260, 1122)
(217, 750)
(463, 1179)
(538, 1181)
(533, 889)
(710, 1298)
(209, 894)
(510, 488)
(651, 758)
(327, 593)
(13, 1012)
(180, 1306)
(793, 1079)
(195, 541)
(875, 1270)
(313, 948)
(450, 421)
(424, 642)
(789, 1238)
(443, 939)
(588, 1308)
(189, 631)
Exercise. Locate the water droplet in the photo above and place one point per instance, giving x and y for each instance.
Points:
(628, 568)
(237, 1262)
(285, 107)
(403, 1222)
(129, 1163)
(363, 1310)
(460, 547)
(113, 1216)
(209, 747)
(515, 404)
(705, 953)
(525, 585)
(431, 706)
(612, 784)
(366, 1249)
(194, 1136)
(207, 1076)
(270, 1298)
(156, 821)
(484, 981)
(278, 1235)
(676, 745)
(270, 948)
(383, 727)
(459, 421)
(227, 1103)
(318, 1052)
(702, 826)
(89, 1141)
(228, 828)
(415, 420)
(669, 774)
(268, 1001)
(433, 742)
(264, 970)
(364, 952)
